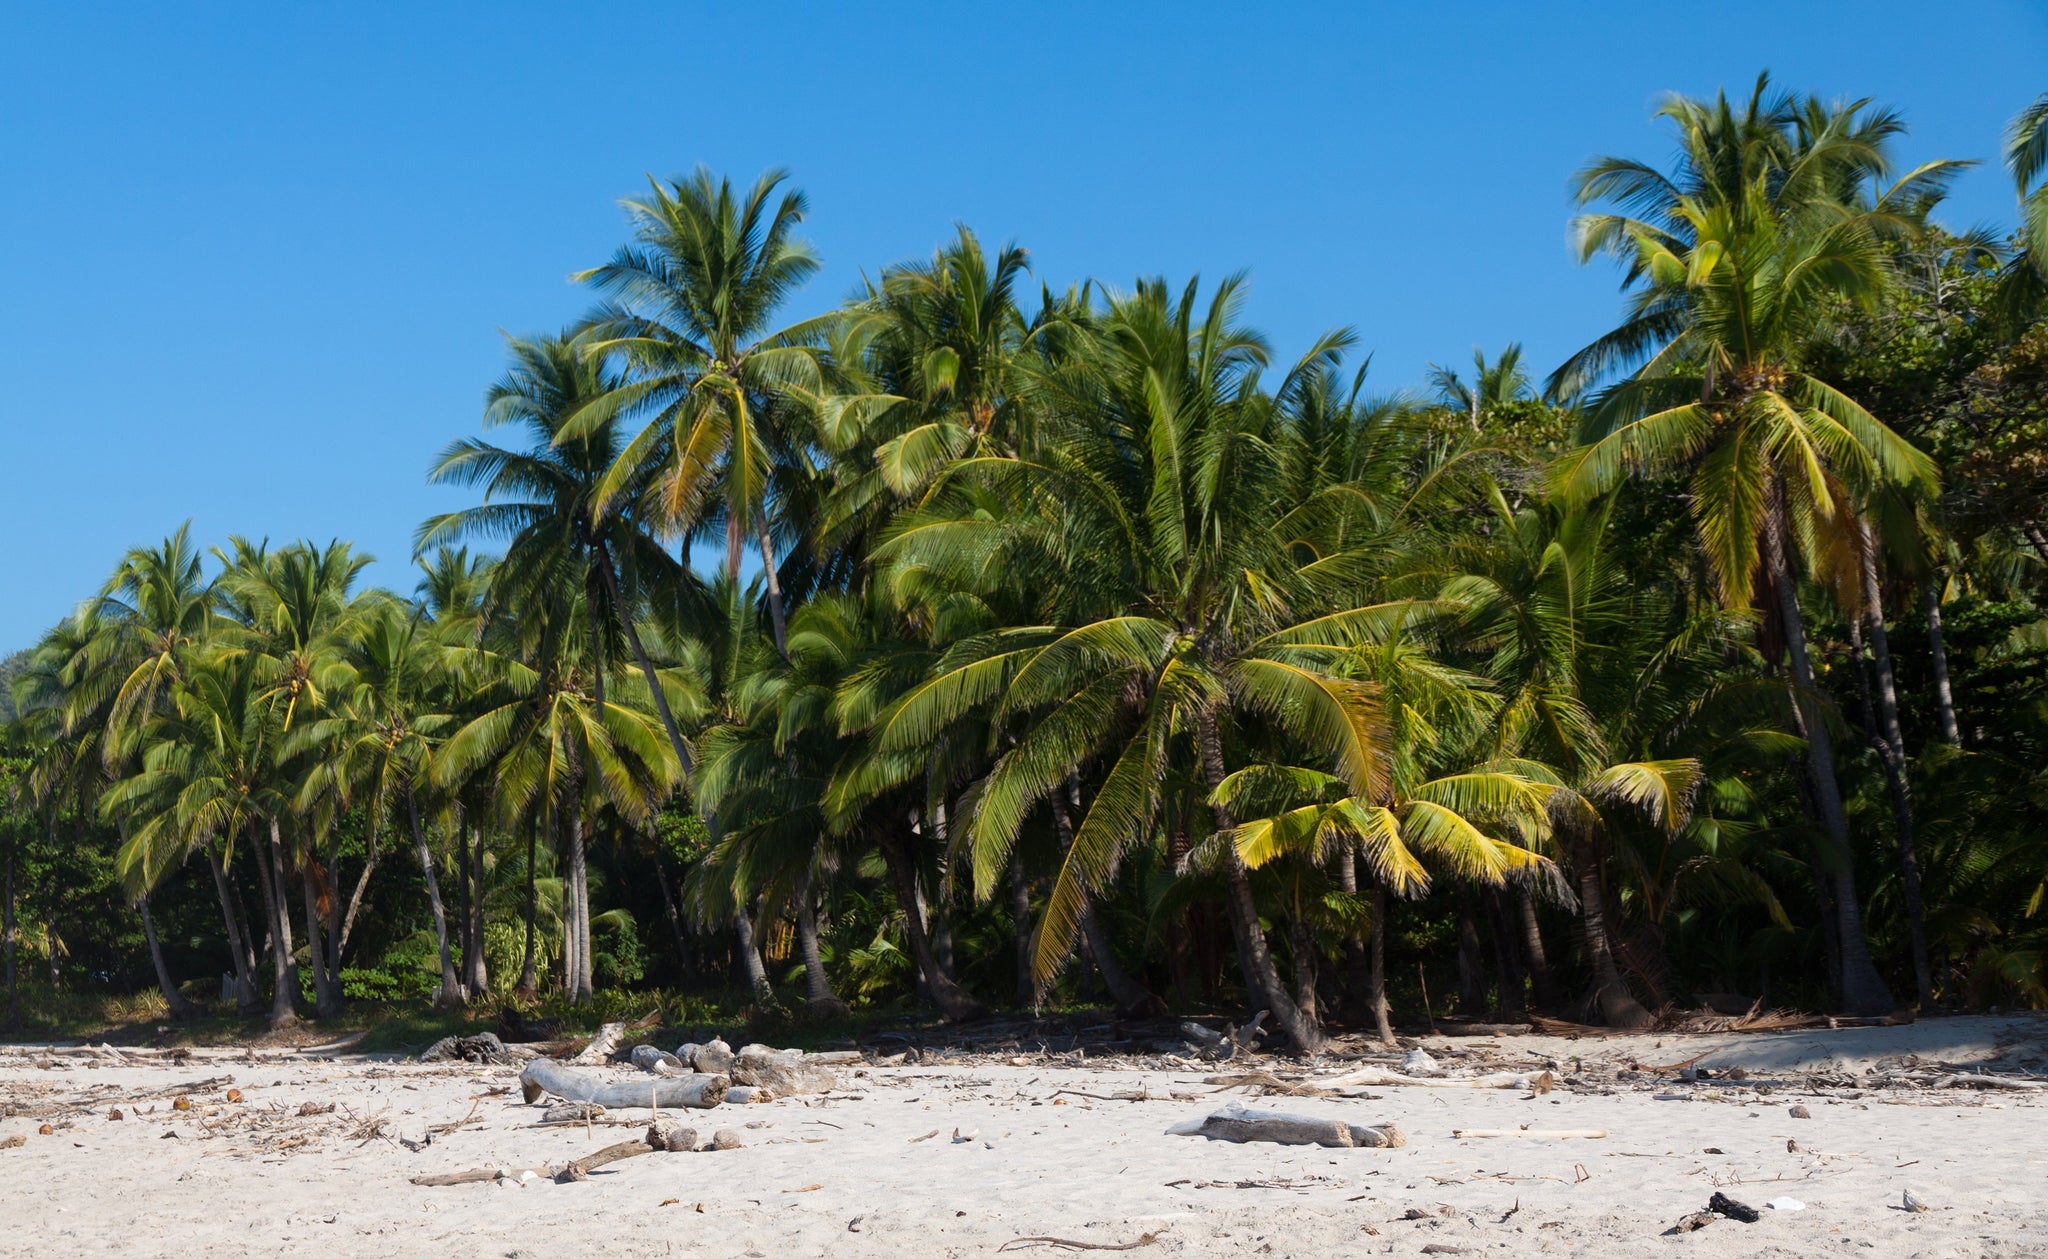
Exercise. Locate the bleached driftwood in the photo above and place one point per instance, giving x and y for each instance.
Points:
(601, 1045)
(582, 1167)
(1380, 1077)
(1590, 1134)
(747, 1095)
(1237, 1123)
(544, 1075)
(472, 1176)
(1980, 1081)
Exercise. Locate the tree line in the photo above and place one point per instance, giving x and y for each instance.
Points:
(1066, 644)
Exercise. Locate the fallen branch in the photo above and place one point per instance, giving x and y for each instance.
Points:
(474, 1176)
(1144, 1240)
(1380, 1077)
(544, 1075)
(1980, 1081)
(1587, 1133)
(582, 1167)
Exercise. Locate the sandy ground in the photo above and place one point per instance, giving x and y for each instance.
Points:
(856, 1173)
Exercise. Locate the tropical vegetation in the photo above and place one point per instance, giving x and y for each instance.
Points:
(1071, 645)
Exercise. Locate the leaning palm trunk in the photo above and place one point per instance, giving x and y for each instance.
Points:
(1130, 996)
(1540, 978)
(750, 955)
(283, 972)
(238, 948)
(1618, 1006)
(818, 994)
(950, 997)
(1376, 980)
(1862, 989)
(1891, 746)
(451, 992)
(1261, 977)
(326, 980)
(179, 1007)
(777, 619)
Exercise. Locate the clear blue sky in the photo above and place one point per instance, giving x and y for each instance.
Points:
(254, 258)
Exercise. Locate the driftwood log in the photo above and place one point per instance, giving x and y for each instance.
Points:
(1236, 1123)
(601, 1045)
(543, 1076)
(581, 1168)
(1380, 1077)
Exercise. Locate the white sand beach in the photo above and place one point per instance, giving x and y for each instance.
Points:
(1053, 1149)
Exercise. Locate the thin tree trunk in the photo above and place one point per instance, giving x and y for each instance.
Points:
(818, 994)
(1893, 753)
(744, 917)
(465, 897)
(2036, 535)
(339, 932)
(951, 999)
(942, 911)
(1131, 996)
(238, 948)
(283, 973)
(1376, 978)
(1617, 1004)
(1944, 698)
(576, 939)
(1261, 976)
(773, 580)
(180, 1008)
(326, 981)
(1357, 966)
(1862, 989)
(451, 993)
(1020, 917)
(1540, 977)
(529, 976)
(647, 670)
(476, 963)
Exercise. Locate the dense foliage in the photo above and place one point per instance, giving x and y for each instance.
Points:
(1067, 645)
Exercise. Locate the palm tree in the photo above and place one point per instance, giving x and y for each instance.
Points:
(689, 309)
(208, 777)
(2026, 159)
(1746, 255)
(1177, 611)
(1503, 380)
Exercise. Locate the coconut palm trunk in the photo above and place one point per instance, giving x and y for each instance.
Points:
(451, 992)
(1892, 750)
(818, 994)
(475, 967)
(1130, 996)
(284, 975)
(1863, 991)
(745, 919)
(1020, 926)
(1376, 979)
(8, 945)
(238, 947)
(576, 935)
(777, 618)
(1618, 1006)
(1357, 966)
(1261, 977)
(1541, 981)
(951, 999)
(529, 978)
(175, 1001)
(1944, 698)
(326, 981)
